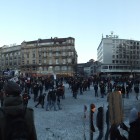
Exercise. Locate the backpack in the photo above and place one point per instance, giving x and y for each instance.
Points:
(16, 127)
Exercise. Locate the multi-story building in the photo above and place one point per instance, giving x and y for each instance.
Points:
(45, 56)
(118, 56)
(10, 57)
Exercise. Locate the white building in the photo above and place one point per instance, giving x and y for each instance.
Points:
(118, 56)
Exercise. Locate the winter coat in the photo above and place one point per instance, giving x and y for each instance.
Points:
(134, 132)
(99, 118)
(12, 106)
(95, 87)
(107, 116)
(134, 125)
(92, 128)
(136, 89)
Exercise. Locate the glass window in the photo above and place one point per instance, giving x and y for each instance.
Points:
(50, 61)
(45, 61)
(57, 61)
(33, 61)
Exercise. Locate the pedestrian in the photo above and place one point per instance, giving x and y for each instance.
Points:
(41, 100)
(96, 90)
(100, 122)
(92, 128)
(16, 121)
(53, 100)
(48, 104)
(136, 89)
(134, 123)
(107, 124)
(25, 98)
(1, 97)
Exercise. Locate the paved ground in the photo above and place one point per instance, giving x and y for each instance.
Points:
(67, 124)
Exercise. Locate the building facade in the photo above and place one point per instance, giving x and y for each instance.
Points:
(118, 56)
(49, 56)
(10, 57)
(43, 56)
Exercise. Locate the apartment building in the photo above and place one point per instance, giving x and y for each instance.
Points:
(118, 56)
(10, 57)
(49, 56)
(42, 56)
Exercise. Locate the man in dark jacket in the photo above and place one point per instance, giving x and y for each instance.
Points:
(134, 122)
(13, 106)
(41, 100)
(99, 122)
(92, 128)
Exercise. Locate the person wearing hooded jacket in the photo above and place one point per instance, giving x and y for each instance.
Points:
(13, 106)
(134, 122)
(99, 122)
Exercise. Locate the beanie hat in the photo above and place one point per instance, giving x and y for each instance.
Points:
(12, 88)
(133, 115)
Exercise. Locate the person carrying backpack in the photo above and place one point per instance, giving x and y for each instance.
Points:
(16, 120)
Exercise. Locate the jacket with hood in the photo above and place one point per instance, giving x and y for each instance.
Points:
(99, 118)
(12, 106)
(134, 122)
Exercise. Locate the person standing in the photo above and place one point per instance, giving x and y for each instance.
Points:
(96, 90)
(92, 128)
(107, 123)
(99, 122)
(136, 89)
(12, 111)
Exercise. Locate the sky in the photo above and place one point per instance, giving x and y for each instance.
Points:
(84, 20)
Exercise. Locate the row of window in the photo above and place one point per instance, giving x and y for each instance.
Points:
(50, 54)
(124, 62)
(57, 68)
(126, 56)
(120, 67)
(57, 61)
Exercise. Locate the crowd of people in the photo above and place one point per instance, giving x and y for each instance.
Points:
(48, 93)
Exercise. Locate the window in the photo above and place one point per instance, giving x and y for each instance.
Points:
(110, 67)
(64, 68)
(33, 61)
(45, 61)
(105, 67)
(50, 53)
(113, 61)
(64, 61)
(27, 55)
(33, 55)
(27, 61)
(44, 54)
(39, 55)
(39, 61)
(57, 61)
(57, 68)
(57, 54)
(50, 61)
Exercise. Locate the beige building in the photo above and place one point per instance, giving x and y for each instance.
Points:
(10, 57)
(49, 56)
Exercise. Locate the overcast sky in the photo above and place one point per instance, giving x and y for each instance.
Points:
(85, 20)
